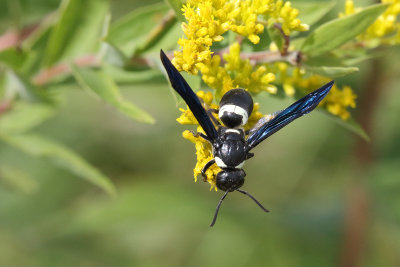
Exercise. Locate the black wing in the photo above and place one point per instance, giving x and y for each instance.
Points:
(296, 110)
(191, 99)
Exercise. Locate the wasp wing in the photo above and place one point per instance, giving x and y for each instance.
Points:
(191, 99)
(265, 119)
(296, 110)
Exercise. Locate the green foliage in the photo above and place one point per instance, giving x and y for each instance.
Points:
(335, 33)
(103, 86)
(130, 31)
(25, 116)
(52, 133)
(176, 6)
(311, 12)
(333, 72)
(60, 155)
(82, 44)
(76, 31)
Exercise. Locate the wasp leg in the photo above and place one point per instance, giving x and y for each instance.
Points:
(197, 134)
(205, 168)
(210, 114)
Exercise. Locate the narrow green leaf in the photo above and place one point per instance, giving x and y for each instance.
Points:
(164, 35)
(332, 72)
(36, 44)
(25, 116)
(112, 55)
(132, 30)
(312, 12)
(330, 60)
(77, 30)
(122, 76)
(16, 85)
(339, 31)
(176, 5)
(351, 125)
(60, 155)
(13, 57)
(102, 85)
(17, 179)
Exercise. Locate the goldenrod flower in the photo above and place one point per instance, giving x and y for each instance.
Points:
(386, 27)
(208, 20)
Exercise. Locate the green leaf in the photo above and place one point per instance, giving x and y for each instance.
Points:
(77, 30)
(312, 12)
(132, 30)
(276, 36)
(176, 5)
(36, 44)
(25, 116)
(351, 125)
(330, 60)
(102, 85)
(339, 31)
(332, 72)
(164, 35)
(17, 179)
(60, 155)
(112, 55)
(17, 85)
(128, 77)
(12, 57)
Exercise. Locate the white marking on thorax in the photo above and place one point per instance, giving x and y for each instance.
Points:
(240, 165)
(232, 131)
(219, 162)
(234, 109)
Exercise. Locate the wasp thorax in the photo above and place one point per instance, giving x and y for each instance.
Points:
(235, 108)
(230, 179)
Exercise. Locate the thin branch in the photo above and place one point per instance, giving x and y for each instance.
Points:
(46, 75)
(286, 38)
(15, 38)
(292, 57)
(358, 206)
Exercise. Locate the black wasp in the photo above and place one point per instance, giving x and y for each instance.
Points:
(229, 143)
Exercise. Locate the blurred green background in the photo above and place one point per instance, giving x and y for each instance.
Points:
(328, 206)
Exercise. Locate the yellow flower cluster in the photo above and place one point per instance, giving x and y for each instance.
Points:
(236, 73)
(203, 147)
(385, 30)
(336, 102)
(208, 20)
(349, 9)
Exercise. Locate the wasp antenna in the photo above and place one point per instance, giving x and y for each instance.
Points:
(218, 206)
(253, 198)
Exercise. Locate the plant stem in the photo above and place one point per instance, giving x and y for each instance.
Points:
(358, 206)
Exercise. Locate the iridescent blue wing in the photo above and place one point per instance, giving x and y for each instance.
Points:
(191, 99)
(296, 110)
